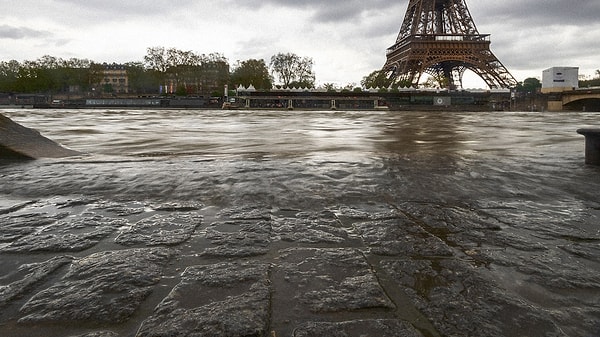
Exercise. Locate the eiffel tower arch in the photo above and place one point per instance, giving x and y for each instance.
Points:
(439, 37)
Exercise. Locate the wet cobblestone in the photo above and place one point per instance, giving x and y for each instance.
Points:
(417, 225)
(262, 272)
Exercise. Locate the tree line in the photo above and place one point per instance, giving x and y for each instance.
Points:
(182, 72)
(591, 82)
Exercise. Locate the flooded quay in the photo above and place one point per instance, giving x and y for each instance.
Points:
(301, 223)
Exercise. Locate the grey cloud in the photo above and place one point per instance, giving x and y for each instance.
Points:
(114, 9)
(326, 11)
(542, 12)
(522, 36)
(526, 12)
(17, 33)
(532, 11)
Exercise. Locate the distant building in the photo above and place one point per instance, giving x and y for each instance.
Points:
(214, 76)
(115, 79)
(201, 80)
(559, 79)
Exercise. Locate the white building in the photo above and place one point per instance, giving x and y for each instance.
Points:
(559, 79)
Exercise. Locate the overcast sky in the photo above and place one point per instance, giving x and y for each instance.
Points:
(347, 39)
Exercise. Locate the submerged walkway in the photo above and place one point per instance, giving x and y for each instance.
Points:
(86, 267)
(407, 237)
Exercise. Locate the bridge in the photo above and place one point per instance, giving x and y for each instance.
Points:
(582, 99)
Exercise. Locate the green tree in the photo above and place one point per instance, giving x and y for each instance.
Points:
(214, 72)
(435, 82)
(73, 74)
(251, 72)
(530, 85)
(293, 70)
(593, 82)
(108, 88)
(330, 87)
(95, 74)
(9, 74)
(156, 59)
(179, 68)
(181, 90)
(376, 79)
(141, 80)
(47, 74)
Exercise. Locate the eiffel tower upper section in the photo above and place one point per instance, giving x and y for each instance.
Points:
(439, 37)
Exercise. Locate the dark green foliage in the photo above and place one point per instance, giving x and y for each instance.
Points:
(531, 85)
(46, 75)
(376, 79)
(594, 82)
(251, 72)
(186, 71)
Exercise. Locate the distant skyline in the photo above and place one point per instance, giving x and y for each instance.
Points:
(346, 39)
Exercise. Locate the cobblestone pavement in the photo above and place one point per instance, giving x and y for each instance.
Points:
(320, 224)
(81, 267)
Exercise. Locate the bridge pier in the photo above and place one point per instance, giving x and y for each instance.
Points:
(592, 145)
(555, 106)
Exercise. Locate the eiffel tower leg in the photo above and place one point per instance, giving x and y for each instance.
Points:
(445, 74)
(449, 77)
(457, 76)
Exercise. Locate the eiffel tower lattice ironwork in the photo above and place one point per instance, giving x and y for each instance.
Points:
(439, 37)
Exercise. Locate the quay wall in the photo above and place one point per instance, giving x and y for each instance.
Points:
(301, 100)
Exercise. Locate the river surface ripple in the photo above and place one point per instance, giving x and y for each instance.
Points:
(525, 169)
(468, 157)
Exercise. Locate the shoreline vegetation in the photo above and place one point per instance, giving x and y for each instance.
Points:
(162, 72)
(173, 72)
(173, 78)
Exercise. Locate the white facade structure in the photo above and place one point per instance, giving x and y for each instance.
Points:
(557, 79)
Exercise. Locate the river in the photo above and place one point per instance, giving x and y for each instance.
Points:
(524, 170)
(175, 148)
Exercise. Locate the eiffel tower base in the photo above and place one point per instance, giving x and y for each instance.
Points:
(439, 37)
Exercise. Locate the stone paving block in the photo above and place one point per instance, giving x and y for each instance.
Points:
(159, 229)
(28, 276)
(460, 302)
(99, 334)
(303, 229)
(450, 219)
(187, 206)
(331, 280)
(66, 235)
(401, 236)
(358, 328)
(240, 238)
(224, 299)
(103, 287)
(247, 213)
(17, 226)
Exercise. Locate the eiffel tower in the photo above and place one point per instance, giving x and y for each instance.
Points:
(439, 37)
